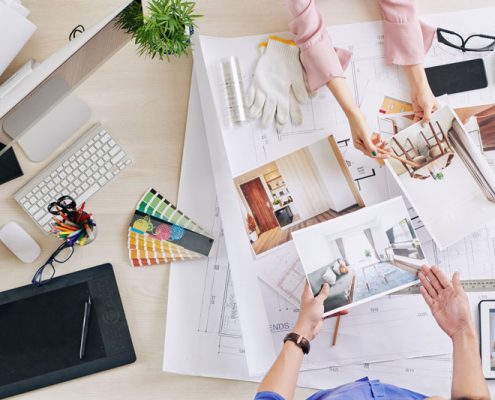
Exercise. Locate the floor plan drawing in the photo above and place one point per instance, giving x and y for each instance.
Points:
(218, 313)
(473, 256)
(377, 317)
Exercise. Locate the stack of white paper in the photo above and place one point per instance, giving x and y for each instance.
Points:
(15, 26)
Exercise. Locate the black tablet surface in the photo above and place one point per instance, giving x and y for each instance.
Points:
(41, 329)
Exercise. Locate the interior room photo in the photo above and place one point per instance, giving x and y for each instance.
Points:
(304, 188)
(362, 255)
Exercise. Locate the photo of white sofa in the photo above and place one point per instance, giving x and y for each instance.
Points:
(362, 255)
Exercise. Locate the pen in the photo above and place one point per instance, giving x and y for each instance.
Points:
(84, 333)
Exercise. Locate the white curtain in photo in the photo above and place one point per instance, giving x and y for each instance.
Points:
(301, 178)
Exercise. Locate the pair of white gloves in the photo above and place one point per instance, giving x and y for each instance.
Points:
(278, 88)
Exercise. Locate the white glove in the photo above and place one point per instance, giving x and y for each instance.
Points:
(278, 84)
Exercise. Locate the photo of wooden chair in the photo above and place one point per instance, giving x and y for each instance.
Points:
(419, 166)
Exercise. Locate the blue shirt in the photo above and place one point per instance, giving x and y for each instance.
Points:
(362, 389)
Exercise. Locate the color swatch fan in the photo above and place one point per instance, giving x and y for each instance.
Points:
(159, 233)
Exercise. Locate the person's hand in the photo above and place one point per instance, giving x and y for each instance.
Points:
(447, 301)
(424, 102)
(369, 144)
(311, 312)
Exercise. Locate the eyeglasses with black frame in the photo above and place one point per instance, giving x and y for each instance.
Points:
(478, 42)
(47, 271)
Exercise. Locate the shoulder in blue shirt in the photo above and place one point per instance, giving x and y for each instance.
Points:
(363, 389)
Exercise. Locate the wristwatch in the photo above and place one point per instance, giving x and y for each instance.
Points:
(300, 341)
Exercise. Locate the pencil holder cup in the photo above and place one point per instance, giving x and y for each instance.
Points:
(71, 223)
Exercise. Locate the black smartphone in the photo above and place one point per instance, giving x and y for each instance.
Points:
(457, 77)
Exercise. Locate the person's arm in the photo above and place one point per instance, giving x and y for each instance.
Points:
(450, 307)
(357, 120)
(407, 40)
(325, 65)
(423, 100)
(282, 376)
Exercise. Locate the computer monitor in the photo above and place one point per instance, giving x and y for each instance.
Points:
(40, 111)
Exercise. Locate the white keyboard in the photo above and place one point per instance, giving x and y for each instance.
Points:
(83, 169)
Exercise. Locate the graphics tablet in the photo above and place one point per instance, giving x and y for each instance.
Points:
(41, 329)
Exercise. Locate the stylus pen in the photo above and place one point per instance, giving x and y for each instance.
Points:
(84, 333)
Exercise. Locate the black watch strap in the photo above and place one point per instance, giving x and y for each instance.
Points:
(299, 340)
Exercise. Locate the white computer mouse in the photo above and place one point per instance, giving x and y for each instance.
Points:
(19, 242)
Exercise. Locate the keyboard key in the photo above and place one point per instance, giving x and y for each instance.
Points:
(102, 180)
(38, 214)
(33, 210)
(114, 151)
(118, 157)
(88, 193)
(44, 220)
(105, 138)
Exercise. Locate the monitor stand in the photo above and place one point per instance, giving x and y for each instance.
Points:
(44, 121)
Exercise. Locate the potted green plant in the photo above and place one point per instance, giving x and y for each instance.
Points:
(251, 225)
(277, 202)
(165, 30)
(367, 253)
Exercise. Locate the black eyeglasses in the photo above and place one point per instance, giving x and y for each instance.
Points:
(478, 42)
(47, 271)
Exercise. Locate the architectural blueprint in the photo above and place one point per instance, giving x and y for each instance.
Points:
(202, 335)
(235, 152)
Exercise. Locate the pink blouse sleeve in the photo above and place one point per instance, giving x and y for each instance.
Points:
(321, 61)
(407, 39)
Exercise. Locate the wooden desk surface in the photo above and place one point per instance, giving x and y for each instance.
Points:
(144, 104)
